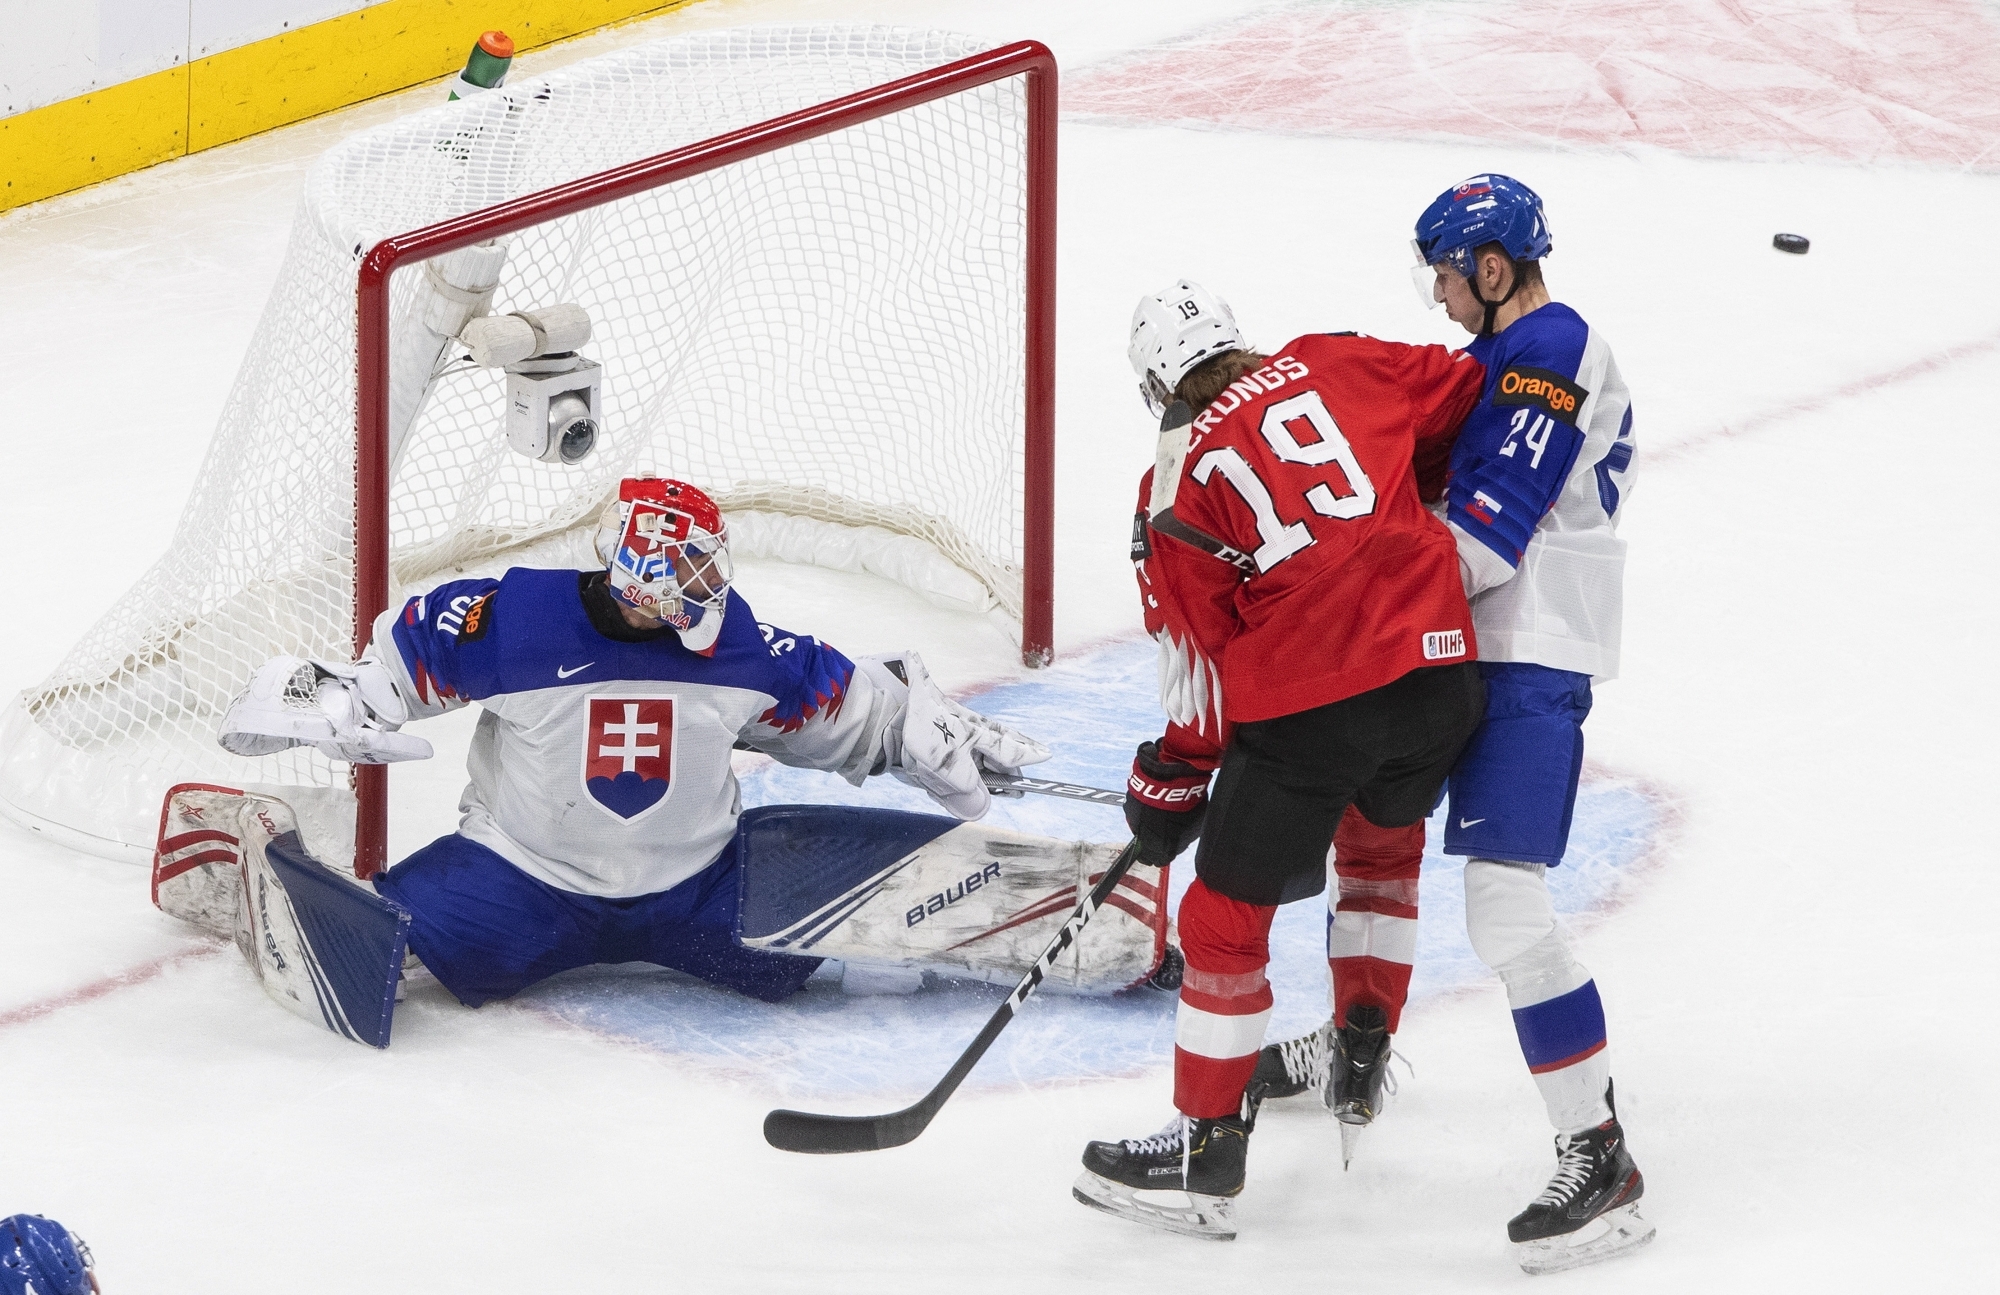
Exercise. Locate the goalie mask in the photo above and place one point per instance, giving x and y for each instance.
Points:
(666, 548)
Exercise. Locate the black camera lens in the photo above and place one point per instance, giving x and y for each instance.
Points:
(578, 439)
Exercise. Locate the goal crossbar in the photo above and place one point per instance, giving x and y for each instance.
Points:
(1027, 59)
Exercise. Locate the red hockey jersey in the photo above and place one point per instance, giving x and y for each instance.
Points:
(1314, 470)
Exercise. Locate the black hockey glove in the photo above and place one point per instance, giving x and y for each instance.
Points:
(1165, 802)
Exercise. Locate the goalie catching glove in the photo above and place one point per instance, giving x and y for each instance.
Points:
(345, 712)
(1165, 802)
(945, 748)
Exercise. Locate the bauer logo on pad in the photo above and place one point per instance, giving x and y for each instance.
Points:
(628, 753)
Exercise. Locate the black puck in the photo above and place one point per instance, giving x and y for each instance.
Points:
(1796, 244)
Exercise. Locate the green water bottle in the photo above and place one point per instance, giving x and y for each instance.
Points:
(487, 68)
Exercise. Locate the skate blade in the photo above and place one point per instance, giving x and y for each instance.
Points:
(1607, 1236)
(1213, 1218)
(1350, 1142)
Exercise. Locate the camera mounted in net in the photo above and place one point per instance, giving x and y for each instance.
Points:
(554, 395)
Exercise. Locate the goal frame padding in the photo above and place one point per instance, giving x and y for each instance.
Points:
(1029, 59)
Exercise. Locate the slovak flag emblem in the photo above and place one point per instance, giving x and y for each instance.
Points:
(628, 753)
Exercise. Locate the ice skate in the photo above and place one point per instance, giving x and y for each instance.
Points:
(1359, 1075)
(1289, 1069)
(1589, 1211)
(1183, 1179)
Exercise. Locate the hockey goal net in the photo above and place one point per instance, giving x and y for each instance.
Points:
(818, 263)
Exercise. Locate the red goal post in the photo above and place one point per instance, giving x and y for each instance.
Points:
(1029, 60)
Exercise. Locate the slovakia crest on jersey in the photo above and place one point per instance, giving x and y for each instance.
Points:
(628, 753)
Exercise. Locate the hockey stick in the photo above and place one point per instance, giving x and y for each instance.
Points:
(1002, 785)
(831, 1134)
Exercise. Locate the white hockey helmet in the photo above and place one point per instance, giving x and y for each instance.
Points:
(1172, 331)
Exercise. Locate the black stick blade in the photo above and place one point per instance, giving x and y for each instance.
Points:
(831, 1135)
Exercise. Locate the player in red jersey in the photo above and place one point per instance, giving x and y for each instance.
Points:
(1317, 651)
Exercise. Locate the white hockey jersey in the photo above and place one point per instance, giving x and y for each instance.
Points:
(1540, 471)
(601, 765)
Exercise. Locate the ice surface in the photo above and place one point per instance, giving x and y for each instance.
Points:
(1791, 919)
(1094, 707)
(1884, 81)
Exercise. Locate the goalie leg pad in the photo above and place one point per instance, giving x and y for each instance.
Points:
(974, 902)
(326, 949)
(198, 861)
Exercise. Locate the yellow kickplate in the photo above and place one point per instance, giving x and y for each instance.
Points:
(274, 82)
(93, 137)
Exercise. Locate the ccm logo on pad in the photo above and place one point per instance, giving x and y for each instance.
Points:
(1551, 393)
(1441, 644)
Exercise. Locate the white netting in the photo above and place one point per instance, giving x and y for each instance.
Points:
(831, 331)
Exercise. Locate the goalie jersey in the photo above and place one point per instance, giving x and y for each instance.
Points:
(602, 762)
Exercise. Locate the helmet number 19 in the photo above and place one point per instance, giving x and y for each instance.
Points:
(1286, 427)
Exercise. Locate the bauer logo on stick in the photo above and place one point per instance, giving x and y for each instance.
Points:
(628, 757)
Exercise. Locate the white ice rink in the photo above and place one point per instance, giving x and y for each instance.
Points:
(1786, 906)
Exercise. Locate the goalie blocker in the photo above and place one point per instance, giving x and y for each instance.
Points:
(816, 881)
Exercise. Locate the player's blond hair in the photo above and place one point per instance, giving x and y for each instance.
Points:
(1209, 379)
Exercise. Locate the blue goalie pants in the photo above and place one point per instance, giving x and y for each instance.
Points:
(488, 930)
(1513, 789)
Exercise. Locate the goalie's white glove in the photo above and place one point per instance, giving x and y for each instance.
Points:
(945, 748)
(345, 712)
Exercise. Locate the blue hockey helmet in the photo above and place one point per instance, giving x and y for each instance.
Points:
(40, 1256)
(1484, 209)
(1470, 215)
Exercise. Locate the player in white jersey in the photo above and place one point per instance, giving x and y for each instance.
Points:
(1539, 474)
(599, 823)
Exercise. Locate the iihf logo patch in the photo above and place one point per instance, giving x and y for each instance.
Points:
(628, 753)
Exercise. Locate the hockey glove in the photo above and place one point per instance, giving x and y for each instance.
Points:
(1165, 802)
(346, 712)
(933, 748)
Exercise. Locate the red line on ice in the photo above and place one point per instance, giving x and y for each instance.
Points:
(1848, 80)
(1917, 368)
(97, 989)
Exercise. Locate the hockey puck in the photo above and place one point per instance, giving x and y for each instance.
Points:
(1796, 244)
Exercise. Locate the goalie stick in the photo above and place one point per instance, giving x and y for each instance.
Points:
(812, 1134)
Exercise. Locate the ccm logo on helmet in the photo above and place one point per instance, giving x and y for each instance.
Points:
(1540, 389)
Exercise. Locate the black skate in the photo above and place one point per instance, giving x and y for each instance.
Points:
(1199, 1160)
(1590, 1209)
(1167, 976)
(1289, 1069)
(1359, 1077)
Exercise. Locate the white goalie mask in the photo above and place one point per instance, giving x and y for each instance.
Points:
(666, 549)
(1174, 330)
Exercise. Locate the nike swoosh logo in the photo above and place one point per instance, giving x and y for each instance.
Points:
(564, 674)
(1463, 823)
